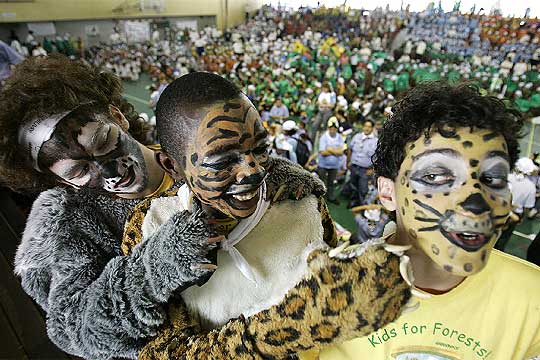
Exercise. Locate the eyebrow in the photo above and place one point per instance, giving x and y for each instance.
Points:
(446, 151)
(219, 150)
(224, 134)
(498, 153)
(99, 132)
(224, 118)
(262, 135)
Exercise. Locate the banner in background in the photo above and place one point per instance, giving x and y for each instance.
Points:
(190, 24)
(42, 28)
(91, 30)
(137, 31)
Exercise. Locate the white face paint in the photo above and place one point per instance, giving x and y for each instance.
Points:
(438, 172)
(98, 155)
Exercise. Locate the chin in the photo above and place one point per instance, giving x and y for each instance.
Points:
(133, 188)
(240, 214)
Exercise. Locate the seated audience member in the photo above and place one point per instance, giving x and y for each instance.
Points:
(443, 160)
(279, 112)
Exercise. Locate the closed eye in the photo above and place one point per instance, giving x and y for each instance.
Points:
(80, 173)
(495, 182)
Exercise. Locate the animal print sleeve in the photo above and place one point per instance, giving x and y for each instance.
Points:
(338, 300)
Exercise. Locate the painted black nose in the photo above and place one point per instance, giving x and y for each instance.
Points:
(110, 170)
(254, 179)
(476, 204)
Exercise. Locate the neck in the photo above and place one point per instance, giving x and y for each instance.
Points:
(217, 215)
(155, 175)
(213, 213)
(427, 273)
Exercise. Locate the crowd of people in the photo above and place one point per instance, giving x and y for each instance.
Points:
(352, 98)
(323, 89)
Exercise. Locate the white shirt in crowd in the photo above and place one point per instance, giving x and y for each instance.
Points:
(39, 51)
(326, 99)
(523, 192)
(421, 48)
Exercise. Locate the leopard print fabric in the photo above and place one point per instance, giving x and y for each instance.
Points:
(132, 228)
(296, 324)
(337, 301)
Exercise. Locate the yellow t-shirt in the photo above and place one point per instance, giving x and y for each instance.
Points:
(493, 315)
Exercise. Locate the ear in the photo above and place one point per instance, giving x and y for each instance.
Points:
(119, 117)
(387, 193)
(169, 165)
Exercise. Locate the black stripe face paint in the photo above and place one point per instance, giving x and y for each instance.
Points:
(228, 158)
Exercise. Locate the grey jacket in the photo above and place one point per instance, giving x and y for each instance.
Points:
(99, 303)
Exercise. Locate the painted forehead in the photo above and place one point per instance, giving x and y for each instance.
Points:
(234, 121)
(460, 142)
(83, 131)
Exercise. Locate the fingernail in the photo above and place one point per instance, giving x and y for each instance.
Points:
(278, 193)
(207, 266)
(216, 239)
(299, 191)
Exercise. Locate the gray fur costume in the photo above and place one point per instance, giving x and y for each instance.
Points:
(101, 304)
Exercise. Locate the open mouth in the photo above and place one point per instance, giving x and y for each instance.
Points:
(244, 200)
(469, 241)
(127, 179)
(246, 196)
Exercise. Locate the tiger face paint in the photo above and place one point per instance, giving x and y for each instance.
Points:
(226, 162)
(453, 197)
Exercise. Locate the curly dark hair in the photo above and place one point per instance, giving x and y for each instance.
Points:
(438, 105)
(46, 86)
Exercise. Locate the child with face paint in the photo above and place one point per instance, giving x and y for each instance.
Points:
(64, 127)
(443, 160)
(213, 137)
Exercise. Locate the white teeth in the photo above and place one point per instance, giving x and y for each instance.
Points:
(245, 197)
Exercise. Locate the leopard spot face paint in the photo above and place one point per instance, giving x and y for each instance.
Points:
(227, 158)
(458, 195)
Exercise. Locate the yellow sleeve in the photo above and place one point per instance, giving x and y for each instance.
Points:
(533, 351)
(309, 355)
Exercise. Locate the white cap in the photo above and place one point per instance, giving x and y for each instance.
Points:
(144, 116)
(526, 166)
(289, 125)
(373, 214)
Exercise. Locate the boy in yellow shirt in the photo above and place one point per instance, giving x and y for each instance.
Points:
(443, 160)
